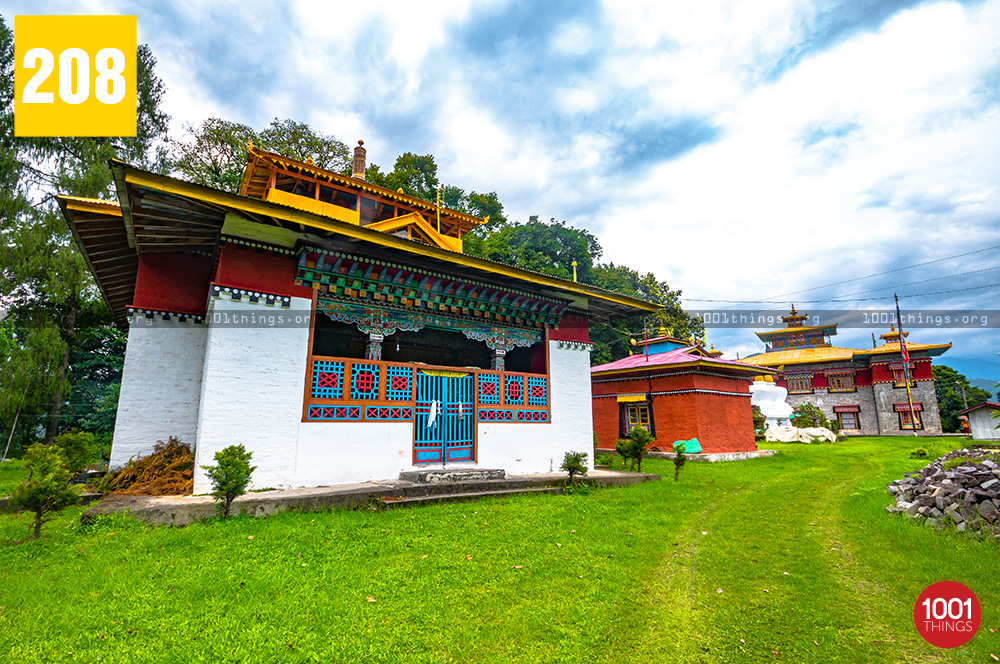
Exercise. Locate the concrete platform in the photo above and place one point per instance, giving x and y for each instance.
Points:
(716, 456)
(182, 510)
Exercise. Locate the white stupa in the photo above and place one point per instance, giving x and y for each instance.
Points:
(770, 398)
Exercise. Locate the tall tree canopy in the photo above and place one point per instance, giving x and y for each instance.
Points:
(44, 281)
(948, 385)
(215, 153)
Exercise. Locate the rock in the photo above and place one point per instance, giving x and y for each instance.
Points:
(925, 499)
(960, 528)
(990, 483)
(941, 502)
(988, 510)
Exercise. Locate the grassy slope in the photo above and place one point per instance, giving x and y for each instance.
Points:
(12, 473)
(511, 580)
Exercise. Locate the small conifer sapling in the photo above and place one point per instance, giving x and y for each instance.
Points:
(230, 476)
(47, 488)
(574, 463)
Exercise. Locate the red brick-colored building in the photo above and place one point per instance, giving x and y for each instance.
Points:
(677, 391)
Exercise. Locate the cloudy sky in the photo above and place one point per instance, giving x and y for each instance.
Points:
(742, 151)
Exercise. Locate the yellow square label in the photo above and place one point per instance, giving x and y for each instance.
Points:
(75, 75)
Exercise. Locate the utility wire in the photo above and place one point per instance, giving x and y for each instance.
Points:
(861, 299)
(846, 298)
(847, 281)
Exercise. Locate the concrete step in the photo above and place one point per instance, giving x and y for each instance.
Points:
(468, 496)
(452, 475)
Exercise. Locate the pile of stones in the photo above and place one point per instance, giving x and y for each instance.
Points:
(965, 494)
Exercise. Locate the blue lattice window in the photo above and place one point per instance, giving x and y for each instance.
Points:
(537, 392)
(496, 415)
(388, 413)
(364, 382)
(328, 380)
(398, 384)
(514, 389)
(489, 388)
(334, 413)
(532, 416)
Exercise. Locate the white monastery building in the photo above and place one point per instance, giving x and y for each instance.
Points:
(334, 328)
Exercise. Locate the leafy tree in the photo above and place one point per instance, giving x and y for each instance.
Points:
(948, 385)
(45, 281)
(78, 447)
(215, 153)
(759, 422)
(807, 415)
(47, 488)
(416, 175)
(549, 248)
(230, 476)
(612, 340)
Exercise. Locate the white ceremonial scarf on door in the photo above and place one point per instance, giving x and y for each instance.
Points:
(432, 418)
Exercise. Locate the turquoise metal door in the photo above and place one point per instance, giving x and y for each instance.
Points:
(444, 419)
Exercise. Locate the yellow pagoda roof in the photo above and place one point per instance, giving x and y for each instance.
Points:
(800, 356)
(833, 354)
(257, 174)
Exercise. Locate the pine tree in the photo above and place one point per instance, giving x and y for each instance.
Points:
(44, 279)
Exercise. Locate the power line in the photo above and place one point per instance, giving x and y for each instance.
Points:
(861, 299)
(846, 298)
(847, 281)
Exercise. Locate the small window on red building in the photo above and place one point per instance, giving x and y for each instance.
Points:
(843, 383)
(899, 379)
(800, 385)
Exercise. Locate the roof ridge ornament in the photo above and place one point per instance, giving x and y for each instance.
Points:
(358, 165)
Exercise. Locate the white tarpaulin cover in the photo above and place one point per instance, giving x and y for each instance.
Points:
(797, 435)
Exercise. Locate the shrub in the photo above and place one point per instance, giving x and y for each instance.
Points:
(47, 488)
(808, 415)
(574, 463)
(633, 447)
(79, 447)
(919, 453)
(833, 425)
(679, 459)
(230, 476)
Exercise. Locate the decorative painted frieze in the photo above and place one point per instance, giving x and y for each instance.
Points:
(346, 277)
(575, 345)
(252, 297)
(145, 315)
(372, 320)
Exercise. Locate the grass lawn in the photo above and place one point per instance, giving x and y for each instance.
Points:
(810, 568)
(12, 473)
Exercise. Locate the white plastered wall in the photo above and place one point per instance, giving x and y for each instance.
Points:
(539, 448)
(253, 386)
(161, 385)
(330, 453)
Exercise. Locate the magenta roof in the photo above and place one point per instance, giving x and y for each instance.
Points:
(677, 356)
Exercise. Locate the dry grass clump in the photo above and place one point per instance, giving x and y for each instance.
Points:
(168, 471)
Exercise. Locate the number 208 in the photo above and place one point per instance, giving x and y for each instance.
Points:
(109, 86)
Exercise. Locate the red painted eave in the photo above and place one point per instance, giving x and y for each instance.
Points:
(985, 404)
